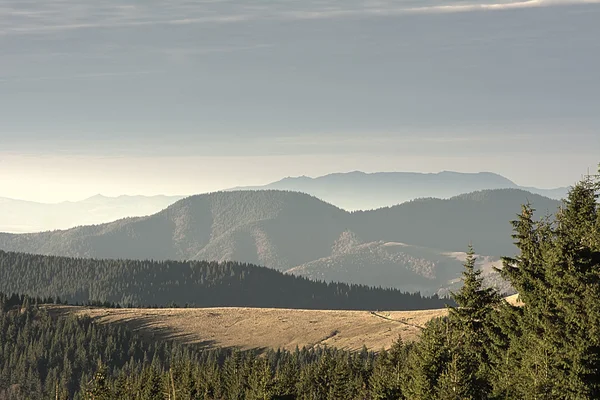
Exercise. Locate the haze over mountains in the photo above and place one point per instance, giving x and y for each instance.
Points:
(414, 246)
(349, 191)
(19, 216)
(364, 191)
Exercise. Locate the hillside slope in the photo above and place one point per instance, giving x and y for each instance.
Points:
(243, 226)
(260, 328)
(400, 265)
(296, 232)
(198, 283)
(482, 218)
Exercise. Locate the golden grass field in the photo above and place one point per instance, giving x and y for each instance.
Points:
(261, 328)
(251, 328)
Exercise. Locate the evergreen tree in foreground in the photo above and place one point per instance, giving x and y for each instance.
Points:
(467, 373)
(552, 343)
(451, 361)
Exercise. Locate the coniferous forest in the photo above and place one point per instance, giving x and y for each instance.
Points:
(193, 284)
(546, 348)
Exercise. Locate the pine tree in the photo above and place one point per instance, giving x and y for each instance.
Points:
(457, 380)
(527, 273)
(286, 377)
(341, 379)
(555, 348)
(387, 377)
(427, 361)
(260, 381)
(467, 370)
(574, 275)
(98, 387)
(234, 379)
(474, 303)
(152, 384)
(383, 382)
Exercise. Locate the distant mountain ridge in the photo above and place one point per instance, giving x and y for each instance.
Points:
(354, 190)
(408, 247)
(21, 216)
(349, 191)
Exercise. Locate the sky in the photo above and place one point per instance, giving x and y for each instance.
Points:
(179, 97)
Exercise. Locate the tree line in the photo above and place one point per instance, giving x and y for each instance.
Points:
(193, 284)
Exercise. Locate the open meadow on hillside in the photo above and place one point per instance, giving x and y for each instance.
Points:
(258, 328)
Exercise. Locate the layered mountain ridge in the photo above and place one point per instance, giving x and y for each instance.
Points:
(404, 246)
(365, 191)
(350, 191)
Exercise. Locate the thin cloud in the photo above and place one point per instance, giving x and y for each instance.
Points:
(31, 29)
(60, 16)
(92, 75)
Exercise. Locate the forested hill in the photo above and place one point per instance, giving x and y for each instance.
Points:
(299, 233)
(481, 218)
(195, 283)
(283, 229)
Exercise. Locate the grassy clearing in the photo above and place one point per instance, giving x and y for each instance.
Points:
(261, 328)
(250, 328)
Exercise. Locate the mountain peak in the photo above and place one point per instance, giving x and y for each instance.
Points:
(98, 196)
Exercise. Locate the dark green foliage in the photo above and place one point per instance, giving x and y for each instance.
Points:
(450, 360)
(195, 283)
(467, 373)
(548, 348)
(42, 357)
(388, 376)
(552, 344)
(427, 361)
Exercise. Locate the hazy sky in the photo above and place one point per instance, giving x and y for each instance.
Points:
(180, 97)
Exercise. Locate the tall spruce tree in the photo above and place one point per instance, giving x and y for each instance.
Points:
(574, 276)
(554, 347)
(466, 375)
(427, 361)
(474, 303)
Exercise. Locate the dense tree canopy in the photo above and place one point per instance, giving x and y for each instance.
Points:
(195, 283)
(547, 348)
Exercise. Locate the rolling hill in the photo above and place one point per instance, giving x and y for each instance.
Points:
(403, 246)
(417, 268)
(364, 191)
(261, 328)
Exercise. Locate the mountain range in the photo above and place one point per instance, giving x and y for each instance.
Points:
(365, 191)
(19, 216)
(414, 246)
(349, 191)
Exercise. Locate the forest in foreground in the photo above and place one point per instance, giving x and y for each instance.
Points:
(190, 284)
(548, 348)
